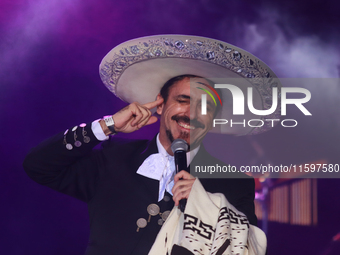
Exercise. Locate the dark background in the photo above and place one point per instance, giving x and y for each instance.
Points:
(49, 57)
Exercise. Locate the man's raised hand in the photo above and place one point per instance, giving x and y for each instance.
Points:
(135, 116)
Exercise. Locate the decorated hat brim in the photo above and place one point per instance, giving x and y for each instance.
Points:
(136, 70)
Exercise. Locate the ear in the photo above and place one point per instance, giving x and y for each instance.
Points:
(159, 107)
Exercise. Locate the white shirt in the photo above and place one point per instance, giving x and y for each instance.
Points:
(159, 166)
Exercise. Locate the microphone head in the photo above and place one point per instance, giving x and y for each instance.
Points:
(179, 145)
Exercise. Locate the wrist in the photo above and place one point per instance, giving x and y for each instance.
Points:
(105, 128)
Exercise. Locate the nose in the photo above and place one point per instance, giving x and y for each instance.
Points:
(194, 111)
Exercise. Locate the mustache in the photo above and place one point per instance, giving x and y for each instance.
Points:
(187, 121)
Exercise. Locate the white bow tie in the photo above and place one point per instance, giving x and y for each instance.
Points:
(162, 168)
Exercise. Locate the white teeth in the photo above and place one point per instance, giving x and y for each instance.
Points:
(186, 126)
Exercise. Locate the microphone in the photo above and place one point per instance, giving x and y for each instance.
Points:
(179, 147)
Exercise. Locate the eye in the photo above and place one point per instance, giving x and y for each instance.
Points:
(210, 107)
(181, 101)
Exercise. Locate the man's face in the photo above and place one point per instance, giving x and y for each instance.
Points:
(181, 114)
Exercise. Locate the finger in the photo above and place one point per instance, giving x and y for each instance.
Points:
(154, 103)
(149, 121)
(145, 112)
(153, 119)
(181, 195)
(145, 119)
(182, 174)
(138, 115)
(182, 185)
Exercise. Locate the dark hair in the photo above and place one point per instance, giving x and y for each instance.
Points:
(166, 87)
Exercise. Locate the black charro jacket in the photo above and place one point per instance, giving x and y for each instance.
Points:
(105, 178)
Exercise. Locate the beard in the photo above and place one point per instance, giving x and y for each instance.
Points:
(182, 135)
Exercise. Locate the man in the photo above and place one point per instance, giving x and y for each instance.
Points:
(129, 181)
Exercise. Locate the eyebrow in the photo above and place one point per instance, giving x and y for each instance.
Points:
(183, 96)
(203, 83)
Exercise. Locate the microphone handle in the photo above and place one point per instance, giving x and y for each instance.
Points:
(181, 164)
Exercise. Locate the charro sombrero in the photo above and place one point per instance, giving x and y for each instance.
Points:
(137, 69)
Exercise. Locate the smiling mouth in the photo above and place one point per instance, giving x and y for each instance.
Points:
(184, 122)
(183, 125)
